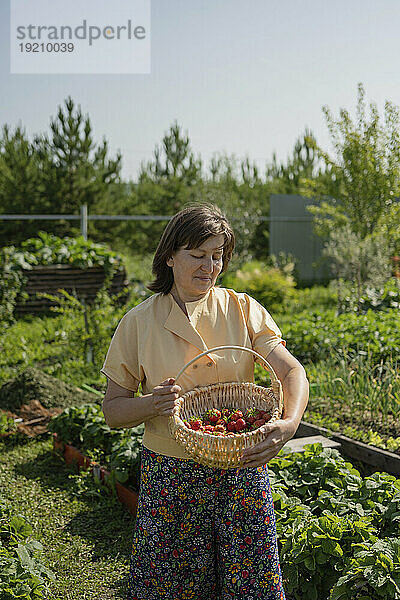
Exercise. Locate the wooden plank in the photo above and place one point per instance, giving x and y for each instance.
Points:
(86, 282)
(382, 460)
(297, 444)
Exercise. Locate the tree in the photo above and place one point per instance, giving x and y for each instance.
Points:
(365, 262)
(20, 184)
(238, 190)
(364, 173)
(304, 164)
(79, 171)
(174, 161)
(165, 184)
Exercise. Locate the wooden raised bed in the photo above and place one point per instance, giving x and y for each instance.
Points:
(84, 282)
(125, 495)
(382, 460)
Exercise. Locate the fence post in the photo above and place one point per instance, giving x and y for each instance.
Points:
(84, 220)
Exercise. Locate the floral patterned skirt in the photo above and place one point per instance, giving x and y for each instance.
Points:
(203, 533)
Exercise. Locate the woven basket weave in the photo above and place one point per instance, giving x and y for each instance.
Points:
(223, 452)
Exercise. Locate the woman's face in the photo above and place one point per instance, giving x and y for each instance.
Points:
(196, 271)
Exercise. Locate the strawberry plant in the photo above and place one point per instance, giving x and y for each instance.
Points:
(324, 511)
(374, 572)
(22, 574)
(317, 550)
(117, 449)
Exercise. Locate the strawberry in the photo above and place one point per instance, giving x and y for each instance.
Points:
(213, 415)
(236, 415)
(258, 423)
(240, 424)
(266, 416)
(195, 424)
(231, 426)
(252, 414)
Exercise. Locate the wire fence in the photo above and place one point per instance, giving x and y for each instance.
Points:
(84, 217)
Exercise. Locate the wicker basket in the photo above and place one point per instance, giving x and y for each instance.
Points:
(223, 452)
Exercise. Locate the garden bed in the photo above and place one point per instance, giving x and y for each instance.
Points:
(84, 282)
(382, 460)
(125, 495)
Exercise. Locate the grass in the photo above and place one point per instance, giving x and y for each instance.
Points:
(86, 536)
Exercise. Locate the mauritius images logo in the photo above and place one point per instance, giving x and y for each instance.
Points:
(80, 36)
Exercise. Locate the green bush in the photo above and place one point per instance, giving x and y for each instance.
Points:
(317, 297)
(268, 285)
(374, 298)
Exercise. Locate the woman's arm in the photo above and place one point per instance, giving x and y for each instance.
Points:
(122, 409)
(295, 388)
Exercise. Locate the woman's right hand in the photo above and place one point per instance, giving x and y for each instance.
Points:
(165, 397)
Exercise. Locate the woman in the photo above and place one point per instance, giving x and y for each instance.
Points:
(200, 532)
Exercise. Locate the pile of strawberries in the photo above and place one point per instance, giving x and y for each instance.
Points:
(228, 421)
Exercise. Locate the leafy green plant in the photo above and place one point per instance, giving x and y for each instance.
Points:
(317, 550)
(374, 572)
(7, 424)
(268, 285)
(325, 511)
(22, 574)
(117, 449)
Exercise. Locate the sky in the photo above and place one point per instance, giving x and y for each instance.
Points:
(242, 77)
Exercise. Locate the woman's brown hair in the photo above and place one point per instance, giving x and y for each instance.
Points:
(189, 228)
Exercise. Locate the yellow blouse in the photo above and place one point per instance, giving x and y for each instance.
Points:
(155, 339)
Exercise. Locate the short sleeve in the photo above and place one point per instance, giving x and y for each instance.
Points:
(122, 362)
(264, 333)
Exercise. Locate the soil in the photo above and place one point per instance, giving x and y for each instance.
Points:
(19, 400)
(35, 418)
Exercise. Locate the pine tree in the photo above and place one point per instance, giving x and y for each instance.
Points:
(80, 171)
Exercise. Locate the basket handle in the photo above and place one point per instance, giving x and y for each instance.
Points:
(244, 348)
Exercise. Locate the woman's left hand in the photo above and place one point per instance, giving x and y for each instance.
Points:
(276, 435)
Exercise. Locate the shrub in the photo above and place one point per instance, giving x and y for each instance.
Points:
(374, 298)
(268, 285)
(316, 297)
